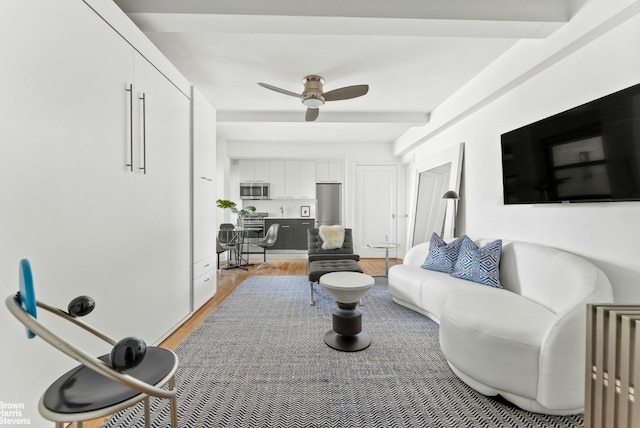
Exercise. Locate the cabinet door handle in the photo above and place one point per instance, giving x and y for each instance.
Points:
(130, 91)
(284, 226)
(144, 133)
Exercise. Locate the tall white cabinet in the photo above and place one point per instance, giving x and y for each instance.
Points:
(94, 182)
(161, 166)
(204, 200)
(95, 178)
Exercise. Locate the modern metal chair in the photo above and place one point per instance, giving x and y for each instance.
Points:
(227, 241)
(219, 250)
(269, 240)
(132, 372)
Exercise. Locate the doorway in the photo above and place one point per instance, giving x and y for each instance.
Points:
(375, 208)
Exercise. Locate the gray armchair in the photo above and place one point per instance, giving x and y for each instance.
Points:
(321, 261)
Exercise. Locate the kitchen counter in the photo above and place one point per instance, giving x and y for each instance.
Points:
(289, 218)
(292, 234)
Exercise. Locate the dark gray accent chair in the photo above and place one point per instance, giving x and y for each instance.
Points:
(322, 261)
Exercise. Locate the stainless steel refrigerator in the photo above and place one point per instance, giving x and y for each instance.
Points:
(329, 209)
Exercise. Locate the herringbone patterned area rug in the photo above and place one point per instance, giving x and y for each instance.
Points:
(260, 361)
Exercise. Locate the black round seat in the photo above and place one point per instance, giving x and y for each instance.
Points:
(95, 389)
(83, 390)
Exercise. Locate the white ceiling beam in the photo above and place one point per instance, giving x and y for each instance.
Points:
(245, 24)
(498, 10)
(252, 118)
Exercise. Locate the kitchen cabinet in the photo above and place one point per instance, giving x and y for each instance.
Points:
(253, 171)
(292, 179)
(329, 171)
(285, 233)
(289, 179)
(277, 179)
(300, 179)
(292, 234)
(300, 233)
(261, 171)
(285, 179)
(245, 170)
(307, 179)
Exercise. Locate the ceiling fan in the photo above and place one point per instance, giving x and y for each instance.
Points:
(313, 97)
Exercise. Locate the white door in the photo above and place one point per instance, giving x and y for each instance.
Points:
(375, 203)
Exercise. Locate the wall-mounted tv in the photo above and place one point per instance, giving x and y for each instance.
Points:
(590, 153)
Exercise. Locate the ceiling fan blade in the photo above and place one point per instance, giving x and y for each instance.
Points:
(312, 114)
(282, 91)
(346, 93)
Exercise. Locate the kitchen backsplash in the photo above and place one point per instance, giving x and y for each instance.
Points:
(284, 207)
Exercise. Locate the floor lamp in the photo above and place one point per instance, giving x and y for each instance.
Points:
(451, 194)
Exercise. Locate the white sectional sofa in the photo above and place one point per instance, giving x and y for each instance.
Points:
(526, 341)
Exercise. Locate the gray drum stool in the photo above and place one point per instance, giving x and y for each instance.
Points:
(319, 268)
(347, 288)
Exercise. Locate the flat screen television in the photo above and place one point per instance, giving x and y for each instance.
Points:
(590, 153)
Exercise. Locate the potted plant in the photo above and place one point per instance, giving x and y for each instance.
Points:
(241, 213)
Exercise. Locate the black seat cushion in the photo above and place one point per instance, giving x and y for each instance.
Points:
(83, 390)
(320, 267)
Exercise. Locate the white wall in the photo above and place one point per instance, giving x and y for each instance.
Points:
(361, 152)
(223, 168)
(597, 62)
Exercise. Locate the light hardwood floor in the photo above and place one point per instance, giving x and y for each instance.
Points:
(230, 280)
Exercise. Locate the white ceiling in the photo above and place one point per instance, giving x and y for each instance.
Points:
(413, 54)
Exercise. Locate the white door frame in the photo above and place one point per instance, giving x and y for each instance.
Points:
(374, 217)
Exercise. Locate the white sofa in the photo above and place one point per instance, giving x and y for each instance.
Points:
(525, 342)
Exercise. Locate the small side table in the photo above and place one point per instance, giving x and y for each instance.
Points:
(386, 246)
(347, 288)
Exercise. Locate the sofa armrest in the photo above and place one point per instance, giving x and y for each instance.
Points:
(564, 346)
(417, 254)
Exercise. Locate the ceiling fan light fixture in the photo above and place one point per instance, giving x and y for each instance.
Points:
(313, 102)
(313, 96)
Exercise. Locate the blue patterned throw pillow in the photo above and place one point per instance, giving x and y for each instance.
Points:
(480, 265)
(442, 256)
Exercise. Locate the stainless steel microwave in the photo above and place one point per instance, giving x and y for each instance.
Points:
(254, 190)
